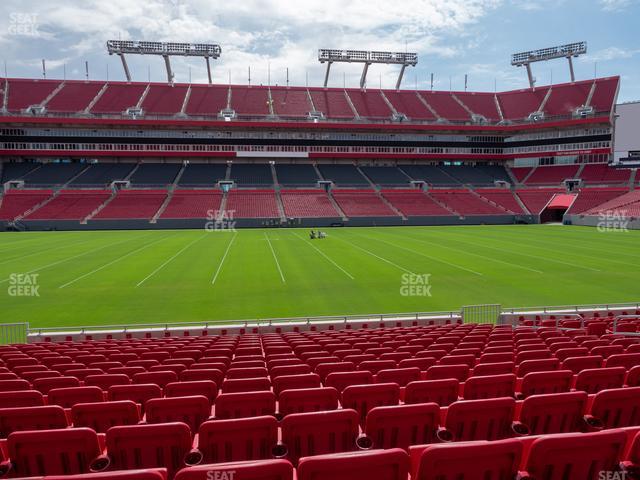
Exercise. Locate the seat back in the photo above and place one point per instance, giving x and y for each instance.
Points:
(252, 470)
(318, 433)
(308, 400)
(102, 416)
(341, 380)
(493, 386)
(584, 455)
(206, 388)
(538, 383)
(390, 464)
(596, 379)
(249, 404)
(439, 372)
(52, 452)
(538, 365)
(554, 413)
(190, 410)
(467, 461)
(148, 446)
(618, 407)
(626, 360)
(238, 439)
(400, 426)
(21, 398)
(488, 419)
(136, 393)
(45, 385)
(400, 376)
(363, 398)
(291, 382)
(106, 380)
(239, 385)
(443, 392)
(31, 418)
(68, 397)
(577, 364)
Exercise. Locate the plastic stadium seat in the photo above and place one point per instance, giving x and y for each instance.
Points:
(607, 351)
(539, 365)
(245, 404)
(68, 397)
(296, 369)
(239, 385)
(254, 470)
(523, 356)
(594, 380)
(317, 433)
(564, 353)
(148, 446)
(190, 410)
(633, 377)
(422, 363)
(196, 374)
(469, 360)
(324, 369)
(31, 418)
(392, 464)
(490, 419)
(374, 366)
(32, 376)
(467, 461)
(576, 364)
(21, 398)
(538, 383)
(14, 385)
(254, 372)
(106, 380)
(159, 378)
(146, 474)
(618, 407)
(241, 439)
(556, 413)
(44, 385)
(400, 376)
(206, 388)
(584, 455)
(404, 425)
(136, 393)
(341, 380)
(102, 416)
(52, 452)
(308, 400)
(439, 372)
(626, 360)
(498, 368)
(290, 382)
(443, 392)
(363, 398)
(128, 371)
(493, 386)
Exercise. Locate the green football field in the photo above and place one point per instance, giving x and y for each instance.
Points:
(129, 277)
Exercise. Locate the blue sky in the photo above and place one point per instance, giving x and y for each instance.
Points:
(452, 38)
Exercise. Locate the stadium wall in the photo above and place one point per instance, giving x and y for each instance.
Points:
(602, 223)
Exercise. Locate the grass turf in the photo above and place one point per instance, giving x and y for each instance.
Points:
(130, 277)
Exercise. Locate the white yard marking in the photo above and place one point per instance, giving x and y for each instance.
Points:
(325, 256)
(429, 256)
(168, 261)
(75, 256)
(122, 257)
(476, 255)
(374, 255)
(215, 277)
(275, 258)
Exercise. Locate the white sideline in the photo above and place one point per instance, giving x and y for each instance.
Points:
(475, 254)
(122, 257)
(165, 263)
(325, 256)
(76, 256)
(275, 258)
(428, 256)
(373, 254)
(215, 277)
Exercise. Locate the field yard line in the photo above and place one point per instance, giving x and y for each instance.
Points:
(41, 251)
(75, 256)
(111, 262)
(215, 277)
(373, 254)
(165, 263)
(475, 255)
(325, 256)
(528, 255)
(275, 257)
(428, 256)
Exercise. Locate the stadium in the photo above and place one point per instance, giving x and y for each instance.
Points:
(214, 280)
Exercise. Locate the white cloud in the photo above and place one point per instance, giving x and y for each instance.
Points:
(616, 5)
(610, 53)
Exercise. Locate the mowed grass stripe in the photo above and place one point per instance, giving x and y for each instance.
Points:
(324, 255)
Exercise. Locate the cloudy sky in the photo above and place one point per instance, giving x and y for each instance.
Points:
(452, 38)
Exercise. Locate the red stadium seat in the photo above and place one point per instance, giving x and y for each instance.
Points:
(136, 393)
(190, 410)
(104, 381)
(440, 372)
(102, 416)
(443, 392)
(159, 378)
(308, 400)
(493, 386)
(363, 398)
(290, 382)
(206, 388)
(68, 397)
(556, 413)
(490, 419)
(498, 368)
(390, 464)
(252, 470)
(44, 385)
(577, 364)
(400, 376)
(594, 380)
(540, 365)
(537, 383)
(31, 418)
(341, 380)
(240, 385)
(619, 407)
(245, 404)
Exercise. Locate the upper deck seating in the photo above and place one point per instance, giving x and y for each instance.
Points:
(296, 175)
(118, 97)
(203, 174)
(332, 103)
(290, 102)
(207, 100)
(24, 93)
(408, 103)
(164, 99)
(343, 175)
(249, 174)
(155, 174)
(74, 97)
(386, 176)
(102, 174)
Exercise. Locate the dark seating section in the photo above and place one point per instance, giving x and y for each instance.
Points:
(103, 174)
(249, 174)
(155, 174)
(389, 176)
(203, 174)
(430, 174)
(343, 175)
(53, 173)
(477, 175)
(296, 175)
(552, 398)
(17, 170)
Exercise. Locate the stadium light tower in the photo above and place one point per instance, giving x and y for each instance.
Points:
(164, 49)
(362, 56)
(545, 54)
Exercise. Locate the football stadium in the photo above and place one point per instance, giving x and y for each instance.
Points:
(369, 274)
